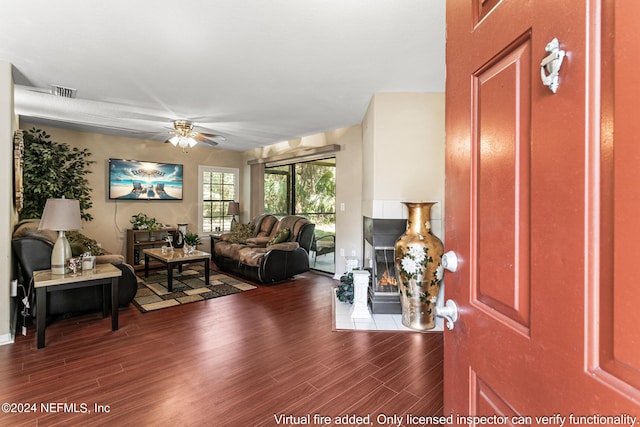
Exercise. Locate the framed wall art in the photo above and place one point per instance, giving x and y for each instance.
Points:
(140, 180)
(18, 159)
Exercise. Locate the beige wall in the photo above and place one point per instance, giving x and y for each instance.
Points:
(7, 212)
(111, 217)
(404, 142)
(368, 165)
(348, 182)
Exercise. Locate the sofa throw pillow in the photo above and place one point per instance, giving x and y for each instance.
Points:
(241, 233)
(279, 237)
(80, 244)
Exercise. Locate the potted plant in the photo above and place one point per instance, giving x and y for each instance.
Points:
(52, 170)
(345, 291)
(143, 222)
(191, 240)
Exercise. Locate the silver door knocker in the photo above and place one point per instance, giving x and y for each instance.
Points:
(550, 65)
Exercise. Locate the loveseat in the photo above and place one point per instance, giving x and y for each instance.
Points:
(266, 250)
(33, 247)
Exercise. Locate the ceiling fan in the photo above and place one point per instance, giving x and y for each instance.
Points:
(185, 137)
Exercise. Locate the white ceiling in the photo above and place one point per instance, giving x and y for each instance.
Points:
(255, 71)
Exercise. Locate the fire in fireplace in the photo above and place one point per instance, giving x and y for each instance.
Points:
(380, 236)
(387, 280)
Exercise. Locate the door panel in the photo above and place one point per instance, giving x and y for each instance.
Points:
(500, 182)
(542, 209)
(486, 401)
(483, 7)
(615, 289)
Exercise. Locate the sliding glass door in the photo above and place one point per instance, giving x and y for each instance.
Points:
(307, 189)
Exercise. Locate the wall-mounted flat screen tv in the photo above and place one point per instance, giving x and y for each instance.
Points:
(138, 180)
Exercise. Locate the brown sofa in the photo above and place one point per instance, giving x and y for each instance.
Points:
(266, 250)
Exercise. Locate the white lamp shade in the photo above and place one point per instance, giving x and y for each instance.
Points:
(61, 215)
(183, 141)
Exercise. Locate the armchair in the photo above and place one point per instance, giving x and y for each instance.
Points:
(322, 246)
(33, 248)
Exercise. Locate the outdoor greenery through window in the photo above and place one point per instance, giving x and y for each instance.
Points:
(307, 189)
(218, 187)
(276, 190)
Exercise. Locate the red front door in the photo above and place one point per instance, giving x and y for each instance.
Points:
(543, 210)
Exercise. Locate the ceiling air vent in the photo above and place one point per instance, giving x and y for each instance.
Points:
(65, 92)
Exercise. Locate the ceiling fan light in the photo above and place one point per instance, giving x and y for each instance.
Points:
(174, 140)
(192, 142)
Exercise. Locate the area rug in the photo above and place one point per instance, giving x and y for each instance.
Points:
(188, 286)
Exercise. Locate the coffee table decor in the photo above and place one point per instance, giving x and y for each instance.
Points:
(188, 286)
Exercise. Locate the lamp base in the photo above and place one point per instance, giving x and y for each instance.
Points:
(60, 255)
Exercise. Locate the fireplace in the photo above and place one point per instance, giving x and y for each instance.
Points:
(380, 236)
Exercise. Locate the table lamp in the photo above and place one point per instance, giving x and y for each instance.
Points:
(61, 215)
(234, 209)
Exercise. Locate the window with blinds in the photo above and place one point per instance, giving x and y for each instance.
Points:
(218, 187)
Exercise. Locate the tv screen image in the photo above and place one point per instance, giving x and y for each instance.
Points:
(138, 180)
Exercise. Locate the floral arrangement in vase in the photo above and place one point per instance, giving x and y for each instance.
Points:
(144, 222)
(191, 240)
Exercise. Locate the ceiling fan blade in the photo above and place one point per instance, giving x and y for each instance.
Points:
(212, 136)
(206, 141)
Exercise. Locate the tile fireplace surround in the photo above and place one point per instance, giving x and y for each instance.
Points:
(379, 322)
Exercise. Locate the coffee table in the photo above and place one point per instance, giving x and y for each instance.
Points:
(45, 282)
(176, 258)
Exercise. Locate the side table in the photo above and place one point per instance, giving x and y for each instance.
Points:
(44, 282)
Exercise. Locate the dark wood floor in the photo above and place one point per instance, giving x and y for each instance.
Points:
(239, 360)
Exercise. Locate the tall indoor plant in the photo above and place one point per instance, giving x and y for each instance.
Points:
(52, 170)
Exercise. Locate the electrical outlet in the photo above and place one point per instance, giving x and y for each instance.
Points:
(14, 288)
(341, 251)
(353, 252)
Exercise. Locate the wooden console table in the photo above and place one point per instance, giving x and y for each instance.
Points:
(45, 282)
(138, 240)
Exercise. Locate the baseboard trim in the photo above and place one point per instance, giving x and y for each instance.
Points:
(7, 339)
(13, 323)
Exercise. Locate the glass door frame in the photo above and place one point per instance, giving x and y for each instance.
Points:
(290, 169)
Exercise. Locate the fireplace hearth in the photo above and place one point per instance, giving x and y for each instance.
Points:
(380, 236)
